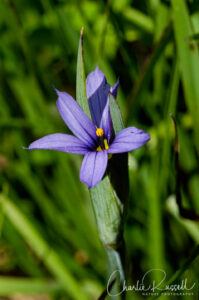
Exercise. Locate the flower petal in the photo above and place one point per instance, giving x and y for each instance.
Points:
(106, 121)
(76, 120)
(93, 167)
(128, 139)
(97, 92)
(61, 142)
(114, 89)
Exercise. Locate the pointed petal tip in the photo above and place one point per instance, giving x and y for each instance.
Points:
(149, 137)
(113, 90)
(60, 142)
(57, 91)
(97, 68)
(97, 72)
(90, 186)
(25, 148)
(146, 135)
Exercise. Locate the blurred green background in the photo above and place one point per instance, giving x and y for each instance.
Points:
(49, 244)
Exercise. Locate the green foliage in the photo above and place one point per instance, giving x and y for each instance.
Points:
(81, 96)
(49, 241)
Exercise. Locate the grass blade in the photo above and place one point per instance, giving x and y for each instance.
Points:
(188, 59)
(81, 96)
(139, 19)
(12, 285)
(41, 248)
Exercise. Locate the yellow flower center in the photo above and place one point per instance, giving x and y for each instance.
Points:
(99, 132)
(99, 148)
(106, 144)
(103, 143)
(103, 146)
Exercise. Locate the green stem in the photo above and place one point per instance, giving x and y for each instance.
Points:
(109, 217)
(116, 271)
(109, 197)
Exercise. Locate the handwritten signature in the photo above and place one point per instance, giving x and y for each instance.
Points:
(142, 286)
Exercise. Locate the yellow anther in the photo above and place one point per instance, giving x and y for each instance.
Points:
(110, 155)
(99, 132)
(99, 148)
(106, 144)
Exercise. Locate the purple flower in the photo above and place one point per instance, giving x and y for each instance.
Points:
(92, 138)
